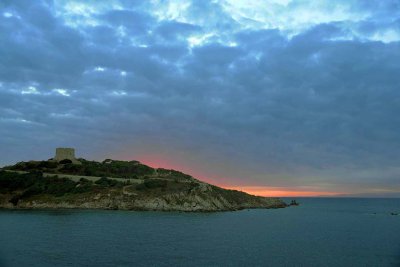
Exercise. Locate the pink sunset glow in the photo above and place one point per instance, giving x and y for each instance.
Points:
(281, 191)
(267, 191)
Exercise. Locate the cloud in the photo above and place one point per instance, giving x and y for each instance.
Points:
(270, 94)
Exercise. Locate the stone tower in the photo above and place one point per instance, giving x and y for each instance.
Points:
(66, 153)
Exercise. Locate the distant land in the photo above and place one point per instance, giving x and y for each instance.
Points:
(67, 182)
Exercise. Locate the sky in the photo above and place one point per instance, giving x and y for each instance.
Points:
(272, 97)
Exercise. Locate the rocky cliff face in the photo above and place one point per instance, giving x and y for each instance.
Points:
(202, 198)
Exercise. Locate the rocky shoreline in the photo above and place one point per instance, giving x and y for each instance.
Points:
(33, 205)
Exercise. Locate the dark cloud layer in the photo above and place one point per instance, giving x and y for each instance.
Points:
(287, 103)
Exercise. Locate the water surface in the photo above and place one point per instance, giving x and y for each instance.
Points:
(320, 232)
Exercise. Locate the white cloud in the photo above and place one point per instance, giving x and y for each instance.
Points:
(171, 10)
(31, 90)
(61, 115)
(289, 17)
(62, 92)
(386, 36)
(16, 120)
(121, 31)
(83, 14)
(7, 15)
(100, 69)
(198, 40)
(118, 93)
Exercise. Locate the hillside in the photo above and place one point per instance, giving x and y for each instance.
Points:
(113, 184)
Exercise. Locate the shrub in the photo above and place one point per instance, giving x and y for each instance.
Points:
(48, 164)
(141, 187)
(152, 184)
(103, 181)
(65, 161)
(31, 165)
(155, 183)
(71, 169)
(82, 188)
(13, 181)
(85, 181)
(34, 183)
(59, 187)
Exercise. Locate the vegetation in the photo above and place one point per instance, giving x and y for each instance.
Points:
(234, 195)
(152, 184)
(173, 175)
(114, 168)
(34, 183)
(66, 161)
(105, 182)
(51, 182)
(107, 168)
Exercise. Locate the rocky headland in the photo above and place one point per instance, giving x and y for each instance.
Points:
(112, 184)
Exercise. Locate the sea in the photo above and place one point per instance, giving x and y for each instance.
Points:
(320, 232)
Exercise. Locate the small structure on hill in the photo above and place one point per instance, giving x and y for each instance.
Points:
(65, 155)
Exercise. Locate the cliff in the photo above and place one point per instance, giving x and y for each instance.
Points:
(128, 186)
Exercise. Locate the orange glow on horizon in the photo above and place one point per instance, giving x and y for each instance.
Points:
(280, 191)
(155, 161)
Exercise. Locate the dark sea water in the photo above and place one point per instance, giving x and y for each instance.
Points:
(320, 232)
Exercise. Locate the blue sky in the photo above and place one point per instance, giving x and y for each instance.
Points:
(274, 95)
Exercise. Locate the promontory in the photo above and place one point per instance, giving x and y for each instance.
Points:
(66, 182)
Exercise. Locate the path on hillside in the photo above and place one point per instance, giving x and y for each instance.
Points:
(76, 178)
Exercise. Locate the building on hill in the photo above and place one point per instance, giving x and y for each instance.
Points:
(65, 155)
